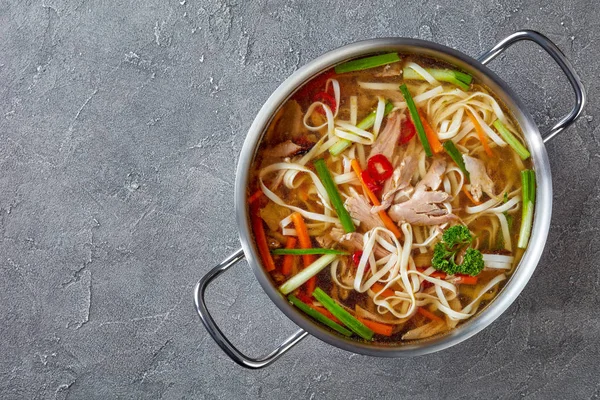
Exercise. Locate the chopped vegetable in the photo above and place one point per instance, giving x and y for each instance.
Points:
(379, 167)
(371, 183)
(528, 192)
(432, 137)
(301, 277)
(456, 156)
(378, 287)
(457, 78)
(407, 131)
(347, 319)
(327, 99)
(377, 327)
(261, 239)
(301, 252)
(414, 114)
(334, 195)
(288, 260)
(511, 140)
(455, 241)
(470, 196)
(428, 314)
(305, 243)
(481, 134)
(387, 221)
(318, 316)
(365, 123)
(255, 196)
(367, 62)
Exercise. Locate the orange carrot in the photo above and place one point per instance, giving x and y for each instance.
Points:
(377, 327)
(305, 243)
(466, 192)
(481, 134)
(326, 313)
(432, 137)
(255, 196)
(428, 314)
(378, 287)
(288, 259)
(458, 278)
(387, 221)
(261, 238)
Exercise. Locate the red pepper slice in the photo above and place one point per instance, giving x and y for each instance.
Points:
(325, 98)
(408, 131)
(379, 167)
(356, 256)
(371, 183)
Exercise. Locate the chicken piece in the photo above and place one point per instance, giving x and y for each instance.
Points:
(423, 208)
(354, 241)
(360, 209)
(433, 177)
(480, 180)
(425, 331)
(393, 69)
(282, 150)
(400, 178)
(387, 140)
(325, 241)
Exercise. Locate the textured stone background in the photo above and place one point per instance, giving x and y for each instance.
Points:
(120, 125)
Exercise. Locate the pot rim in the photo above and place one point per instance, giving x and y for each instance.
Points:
(543, 206)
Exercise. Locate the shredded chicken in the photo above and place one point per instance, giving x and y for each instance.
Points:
(480, 180)
(425, 207)
(284, 149)
(325, 241)
(401, 177)
(354, 241)
(389, 70)
(425, 331)
(388, 137)
(360, 209)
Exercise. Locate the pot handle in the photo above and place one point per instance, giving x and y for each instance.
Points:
(216, 333)
(563, 63)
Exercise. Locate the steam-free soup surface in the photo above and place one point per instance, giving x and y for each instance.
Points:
(388, 203)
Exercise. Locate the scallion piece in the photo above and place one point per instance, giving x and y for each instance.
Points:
(528, 193)
(334, 195)
(366, 63)
(414, 115)
(347, 319)
(318, 316)
(301, 277)
(511, 140)
(457, 78)
(456, 156)
(301, 252)
(366, 123)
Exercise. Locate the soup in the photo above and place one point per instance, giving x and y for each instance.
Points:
(391, 198)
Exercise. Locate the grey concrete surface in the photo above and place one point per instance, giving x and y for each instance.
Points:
(120, 127)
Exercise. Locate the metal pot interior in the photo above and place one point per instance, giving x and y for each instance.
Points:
(521, 274)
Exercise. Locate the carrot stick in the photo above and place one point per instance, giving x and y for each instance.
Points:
(288, 260)
(387, 221)
(432, 137)
(466, 192)
(481, 134)
(255, 196)
(428, 314)
(377, 327)
(378, 287)
(305, 243)
(261, 239)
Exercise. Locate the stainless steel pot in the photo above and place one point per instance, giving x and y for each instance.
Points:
(543, 208)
